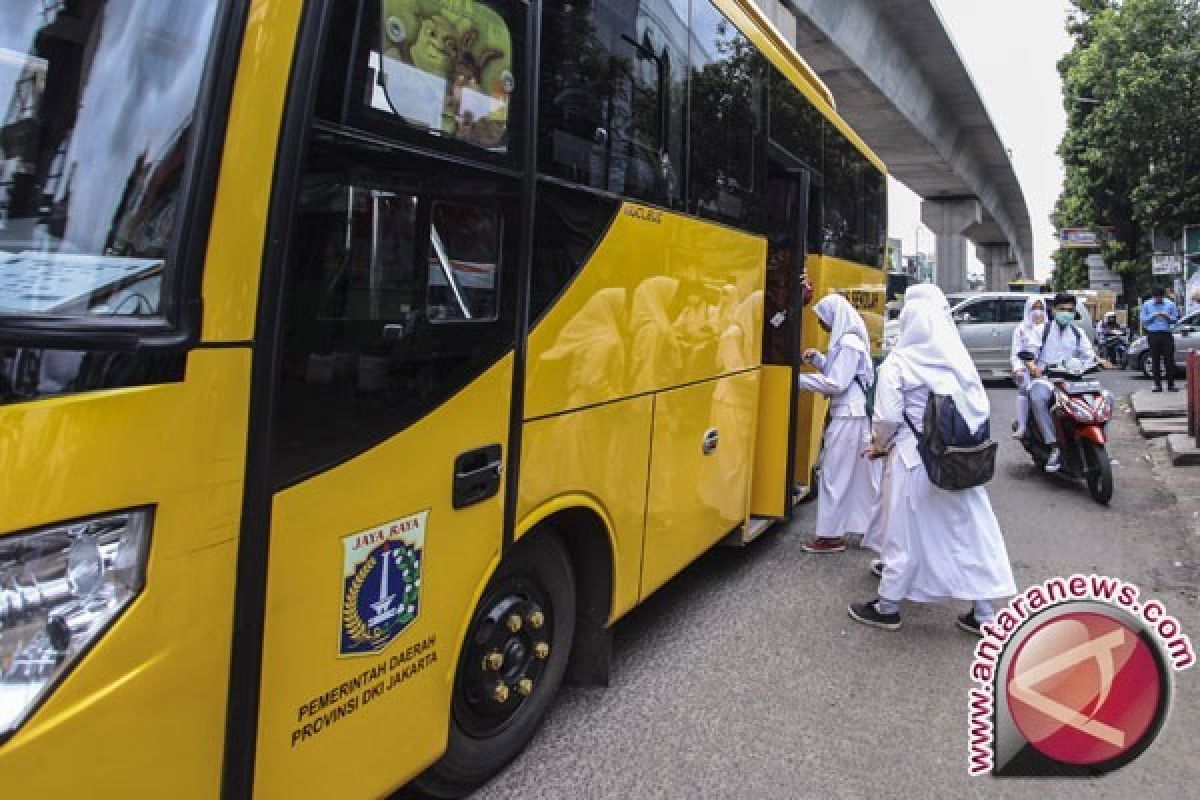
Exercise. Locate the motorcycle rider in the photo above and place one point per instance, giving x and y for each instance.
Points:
(1108, 333)
(1062, 340)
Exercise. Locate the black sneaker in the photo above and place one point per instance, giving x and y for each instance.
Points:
(967, 622)
(1172, 388)
(868, 614)
(877, 568)
(1157, 389)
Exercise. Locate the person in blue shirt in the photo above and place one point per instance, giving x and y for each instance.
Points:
(1159, 316)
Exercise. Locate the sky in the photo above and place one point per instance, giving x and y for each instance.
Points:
(1011, 49)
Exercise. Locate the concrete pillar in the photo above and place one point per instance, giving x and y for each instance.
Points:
(950, 220)
(1001, 264)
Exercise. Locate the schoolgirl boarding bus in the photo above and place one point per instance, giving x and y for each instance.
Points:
(362, 362)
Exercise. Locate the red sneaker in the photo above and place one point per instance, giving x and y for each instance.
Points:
(824, 544)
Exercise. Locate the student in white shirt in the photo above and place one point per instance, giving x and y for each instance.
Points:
(1061, 341)
(1027, 338)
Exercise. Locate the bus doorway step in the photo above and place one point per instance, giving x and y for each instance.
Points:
(744, 534)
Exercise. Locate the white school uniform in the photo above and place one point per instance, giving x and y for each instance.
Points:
(940, 545)
(849, 484)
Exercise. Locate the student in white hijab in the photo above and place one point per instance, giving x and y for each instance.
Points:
(939, 545)
(848, 492)
(1027, 338)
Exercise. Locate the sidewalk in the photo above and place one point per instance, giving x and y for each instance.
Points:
(1164, 414)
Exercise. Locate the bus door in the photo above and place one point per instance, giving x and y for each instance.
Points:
(389, 431)
(788, 190)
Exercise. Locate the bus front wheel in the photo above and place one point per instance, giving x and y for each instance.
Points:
(512, 665)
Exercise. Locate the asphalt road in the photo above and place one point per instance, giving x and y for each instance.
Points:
(744, 677)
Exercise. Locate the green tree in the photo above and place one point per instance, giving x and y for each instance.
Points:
(1132, 148)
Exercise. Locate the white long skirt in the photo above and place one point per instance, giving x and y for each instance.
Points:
(876, 536)
(941, 545)
(848, 495)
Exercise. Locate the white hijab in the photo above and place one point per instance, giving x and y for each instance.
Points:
(1034, 328)
(930, 353)
(847, 332)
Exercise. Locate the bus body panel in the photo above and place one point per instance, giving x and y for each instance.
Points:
(602, 453)
(697, 493)
(143, 711)
(231, 275)
(399, 691)
(648, 266)
(769, 481)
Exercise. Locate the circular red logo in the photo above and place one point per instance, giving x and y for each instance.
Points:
(1084, 688)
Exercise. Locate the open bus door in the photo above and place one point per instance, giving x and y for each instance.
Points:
(788, 203)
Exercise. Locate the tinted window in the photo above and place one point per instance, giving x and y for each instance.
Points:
(569, 225)
(874, 216)
(464, 262)
(727, 151)
(982, 311)
(376, 332)
(98, 101)
(1014, 309)
(843, 190)
(424, 70)
(794, 122)
(612, 95)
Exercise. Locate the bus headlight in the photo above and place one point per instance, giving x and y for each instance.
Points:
(60, 587)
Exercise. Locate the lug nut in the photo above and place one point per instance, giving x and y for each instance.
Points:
(541, 651)
(525, 687)
(500, 693)
(493, 661)
(514, 623)
(536, 620)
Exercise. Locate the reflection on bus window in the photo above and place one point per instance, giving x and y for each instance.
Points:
(612, 96)
(463, 263)
(369, 270)
(96, 105)
(445, 66)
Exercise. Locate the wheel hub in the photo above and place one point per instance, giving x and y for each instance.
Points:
(505, 660)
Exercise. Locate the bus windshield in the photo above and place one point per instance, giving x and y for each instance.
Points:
(96, 105)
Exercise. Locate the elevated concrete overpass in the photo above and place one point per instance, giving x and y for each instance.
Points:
(899, 80)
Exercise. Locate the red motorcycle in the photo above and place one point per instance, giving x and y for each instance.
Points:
(1081, 411)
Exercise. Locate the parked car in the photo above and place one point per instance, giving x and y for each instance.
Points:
(986, 321)
(1187, 337)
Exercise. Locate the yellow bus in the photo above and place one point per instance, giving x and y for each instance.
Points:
(362, 363)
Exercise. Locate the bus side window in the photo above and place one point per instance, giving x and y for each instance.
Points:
(612, 97)
(464, 263)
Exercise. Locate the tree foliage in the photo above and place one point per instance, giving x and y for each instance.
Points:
(1132, 146)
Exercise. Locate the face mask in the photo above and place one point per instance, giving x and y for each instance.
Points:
(1064, 318)
(1039, 317)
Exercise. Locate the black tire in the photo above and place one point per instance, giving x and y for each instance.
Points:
(486, 735)
(1099, 471)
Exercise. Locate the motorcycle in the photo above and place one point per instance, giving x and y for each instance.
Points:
(1081, 411)
(1115, 347)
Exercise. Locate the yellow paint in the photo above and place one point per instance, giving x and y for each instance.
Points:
(411, 472)
(243, 197)
(648, 313)
(770, 483)
(145, 708)
(694, 499)
(601, 454)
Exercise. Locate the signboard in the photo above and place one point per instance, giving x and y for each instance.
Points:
(1080, 238)
(1191, 239)
(1100, 276)
(34, 282)
(1167, 264)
